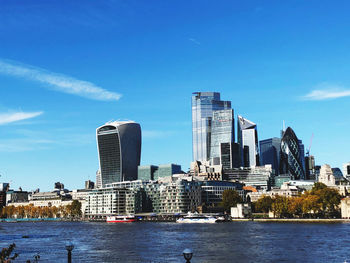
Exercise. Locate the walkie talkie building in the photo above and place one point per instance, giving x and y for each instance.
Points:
(119, 151)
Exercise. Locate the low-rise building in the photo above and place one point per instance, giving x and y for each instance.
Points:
(345, 207)
(241, 211)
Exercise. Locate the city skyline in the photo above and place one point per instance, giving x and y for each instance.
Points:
(66, 71)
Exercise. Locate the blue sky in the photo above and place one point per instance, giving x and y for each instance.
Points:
(67, 67)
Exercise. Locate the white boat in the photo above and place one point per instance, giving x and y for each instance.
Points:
(196, 218)
(120, 219)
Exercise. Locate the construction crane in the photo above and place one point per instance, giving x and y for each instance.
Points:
(308, 150)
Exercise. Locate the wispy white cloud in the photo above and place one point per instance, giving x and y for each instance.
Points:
(23, 144)
(57, 81)
(6, 118)
(326, 92)
(194, 41)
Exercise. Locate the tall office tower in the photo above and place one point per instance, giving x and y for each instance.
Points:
(270, 152)
(222, 131)
(229, 155)
(248, 140)
(203, 105)
(119, 151)
(310, 168)
(302, 153)
(291, 159)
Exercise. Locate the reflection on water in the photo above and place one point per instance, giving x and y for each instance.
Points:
(164, 242)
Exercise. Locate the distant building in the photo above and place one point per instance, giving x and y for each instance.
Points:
(203, 106)
(270, 152)
(346, 170)
(222, 131)
(230, 155)
(146, 172)
(241, 211)
(119, 150)
(4, 187)
(248, 141)
(16, 197)
(212, 191)
(282, 178)
(89, 185)
(345, 207)
(260, 177)
(331, 177)
(292, 160)
(98, 179)
(310, 171)
(165, 170)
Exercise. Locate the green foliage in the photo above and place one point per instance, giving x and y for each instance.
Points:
(75, 208)
(5, 255)
(264, 204)
(230, 198)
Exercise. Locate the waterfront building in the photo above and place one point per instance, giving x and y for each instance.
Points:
(119, 151)
(345, 207)
(222, 131)
(260, 177)
(16, 197)
(291, 159)
(4, 187)
(270, 152)
(241, 211)
(146, 172)
(206, 171)
(212, 191)
(248, 141)
(203, 106)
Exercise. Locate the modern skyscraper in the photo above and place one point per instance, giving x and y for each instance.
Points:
(229, 155)
(203, 105)
(310, 173)
(248, 140)
(119, 150)
(270, 152)
(222, 131)
(291, 160)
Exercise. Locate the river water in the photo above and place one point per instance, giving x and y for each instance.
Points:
(164, 242)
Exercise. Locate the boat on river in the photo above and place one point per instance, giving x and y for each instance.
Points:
(196, 218)
(120, 219)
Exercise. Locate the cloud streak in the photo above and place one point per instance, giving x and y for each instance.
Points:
(6, 118)
(194, 41)
(58, 81)
(327, 92)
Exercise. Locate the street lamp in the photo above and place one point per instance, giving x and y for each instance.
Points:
(187, 255)
(69, 249)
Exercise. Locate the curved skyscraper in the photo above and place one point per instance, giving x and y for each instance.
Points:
(291, 155)
(119, 151)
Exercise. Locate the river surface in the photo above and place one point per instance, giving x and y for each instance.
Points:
(164, 242)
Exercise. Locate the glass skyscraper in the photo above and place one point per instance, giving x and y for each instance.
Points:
(291, 161)
(119, 151)
(203, 106)
(222, 131)
(248, 141)
(270, 152)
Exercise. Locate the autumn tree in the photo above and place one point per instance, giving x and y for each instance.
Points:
(264, 204)
(230, 198)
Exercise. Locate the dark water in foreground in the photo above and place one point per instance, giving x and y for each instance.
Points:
(164, 242)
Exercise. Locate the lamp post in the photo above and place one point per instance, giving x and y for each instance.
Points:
(187, 255)
(69, 250)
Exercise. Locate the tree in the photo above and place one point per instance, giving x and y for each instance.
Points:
(280, 206)
(296, 206)
(75, 208)
(5, 255)
(264, 204)
(230, 198)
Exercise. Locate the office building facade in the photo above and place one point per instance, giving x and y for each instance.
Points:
(203, 106)
(270, 152)
(119, 151)
(222, 131)
(248, 141)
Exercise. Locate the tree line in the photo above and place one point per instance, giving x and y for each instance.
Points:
(31, 211)
(319, 202)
